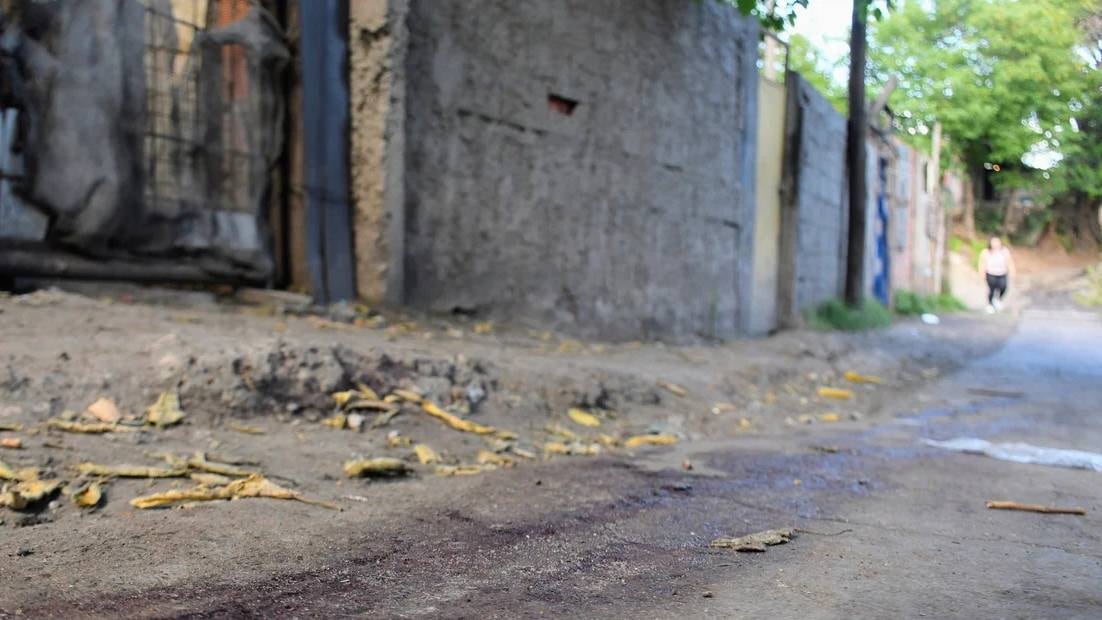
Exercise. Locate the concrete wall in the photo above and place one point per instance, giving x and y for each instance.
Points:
(814, 211)
(630, 217)
(771, 108)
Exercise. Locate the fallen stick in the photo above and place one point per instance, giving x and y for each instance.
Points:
(996, 393)
(1035, 508)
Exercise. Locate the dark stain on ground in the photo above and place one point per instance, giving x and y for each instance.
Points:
(632, 531)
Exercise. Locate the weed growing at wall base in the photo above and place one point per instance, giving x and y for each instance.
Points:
(908, 303)
(836, 315)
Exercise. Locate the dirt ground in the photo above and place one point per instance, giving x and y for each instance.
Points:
(241, 369)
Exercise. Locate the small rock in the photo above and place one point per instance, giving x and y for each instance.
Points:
(708, 595)
(341, 311)
(24, 552)
(355, 421)
(475, 393)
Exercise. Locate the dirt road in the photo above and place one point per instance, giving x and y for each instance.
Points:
(888, 526)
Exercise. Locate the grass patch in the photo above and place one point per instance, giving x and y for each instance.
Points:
(834, 315)
(1091, 296)
(908, 303)
(971, 249)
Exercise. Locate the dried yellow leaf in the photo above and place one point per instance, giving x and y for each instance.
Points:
(463, 470)
(426, 455)
(104, 410)
(486, 457)
(455, 421)
(374, 405)
(248, 430)
(28, 492)
(253, 486)
(407, 395)
(338, 421)
(130, 471)
(485, 327)
(829, 417)
(561, 431)
(835, 393)
(199, 461)
(583, 417)
(522, 453)
(11, 427)
(6, 472)
(165, 412)
(673, 388)
(92, 428)
(855, 377)
(366, 392)
(650, 440)
(89, 496)
(376, 467)
(555, 447)
(607, 440)
(745, 423)
(343, 397)
(576, 448)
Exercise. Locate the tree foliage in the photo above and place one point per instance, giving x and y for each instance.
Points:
(1002, 76)
(807, 60)
(779, 15)
(1080, 170)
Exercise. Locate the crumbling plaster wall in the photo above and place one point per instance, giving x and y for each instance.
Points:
(630, 217)
(377, 37)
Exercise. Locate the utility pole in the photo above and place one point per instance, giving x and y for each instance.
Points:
(856, 157)
(936, 208)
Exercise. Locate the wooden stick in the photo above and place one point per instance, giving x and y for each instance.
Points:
(1035, 508)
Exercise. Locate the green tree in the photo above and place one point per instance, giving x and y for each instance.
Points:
(1077, 180)
(810, 62)
(1002, 76)
(778, 15)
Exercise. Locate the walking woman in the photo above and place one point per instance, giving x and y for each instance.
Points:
(998, 265)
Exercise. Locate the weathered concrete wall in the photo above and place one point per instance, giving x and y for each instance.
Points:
(377, 39)
(629, 213)
(814, 216)
(767, 221)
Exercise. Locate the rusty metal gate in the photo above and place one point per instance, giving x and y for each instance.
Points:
(138, 138)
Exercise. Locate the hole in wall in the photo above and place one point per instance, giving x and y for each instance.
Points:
(562, 105)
